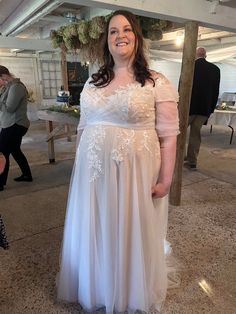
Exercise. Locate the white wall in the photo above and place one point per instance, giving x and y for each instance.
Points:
(25, 69)
(228, 78)
(172, 71)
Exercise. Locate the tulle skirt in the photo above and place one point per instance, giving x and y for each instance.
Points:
(113, 251)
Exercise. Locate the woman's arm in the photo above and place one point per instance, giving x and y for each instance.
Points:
(15, 94)
(13, 98)
(168, 154)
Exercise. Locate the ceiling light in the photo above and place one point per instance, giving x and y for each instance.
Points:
(179, 39)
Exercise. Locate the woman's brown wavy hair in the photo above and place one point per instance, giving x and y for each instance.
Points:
(140, 66)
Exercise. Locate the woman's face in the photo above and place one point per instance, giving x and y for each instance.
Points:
(3, 79)
(1, 82)
(121, 38)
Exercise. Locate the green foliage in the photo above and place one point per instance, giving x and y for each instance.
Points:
(64, 108)
(153, 28)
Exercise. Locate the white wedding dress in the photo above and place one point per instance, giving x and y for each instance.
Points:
(113, 248)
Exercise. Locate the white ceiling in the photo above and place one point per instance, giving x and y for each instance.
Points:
(33, 19)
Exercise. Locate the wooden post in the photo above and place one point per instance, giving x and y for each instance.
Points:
(185, 90)
(68, 132)
(51, 151)
(64, 80)
(64, 75)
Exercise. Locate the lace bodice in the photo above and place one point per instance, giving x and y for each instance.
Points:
(132, 106)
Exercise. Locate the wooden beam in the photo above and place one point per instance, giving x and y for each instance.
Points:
(26, 14)
(185, 90)
(186, 10)
(64, 75)
(26, 43)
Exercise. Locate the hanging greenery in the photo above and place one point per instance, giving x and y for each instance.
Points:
(86, 35)
(153, 28)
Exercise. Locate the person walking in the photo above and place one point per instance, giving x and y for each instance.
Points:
(14, 123)
(205, 92)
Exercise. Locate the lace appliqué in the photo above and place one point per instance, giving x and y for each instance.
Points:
(145, 142)
(127, 142)
(126, 139)
(160, 79)
(148, 143)
(95, 140)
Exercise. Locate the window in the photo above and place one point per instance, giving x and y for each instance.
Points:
(51, 78)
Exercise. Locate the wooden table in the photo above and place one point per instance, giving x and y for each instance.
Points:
(63, 121)
(224, 117)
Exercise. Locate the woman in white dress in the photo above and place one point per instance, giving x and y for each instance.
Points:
(113, 247)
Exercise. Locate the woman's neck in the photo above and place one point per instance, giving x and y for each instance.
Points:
(123, 70)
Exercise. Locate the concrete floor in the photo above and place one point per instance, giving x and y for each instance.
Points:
(201, 230)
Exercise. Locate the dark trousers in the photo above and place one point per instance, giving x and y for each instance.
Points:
(10, 142)
(195, 122)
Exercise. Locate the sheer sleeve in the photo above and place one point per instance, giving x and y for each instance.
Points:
(166, 97)
(82, 120)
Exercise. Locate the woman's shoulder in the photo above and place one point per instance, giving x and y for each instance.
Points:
(163, 90)
(88, 83)
(159, 78)
(17, 88)
(16, 84)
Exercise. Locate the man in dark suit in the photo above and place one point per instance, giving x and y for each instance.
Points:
(205, 92)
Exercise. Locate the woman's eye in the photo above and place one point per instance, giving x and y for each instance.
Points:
(112, 32)
(128, 30)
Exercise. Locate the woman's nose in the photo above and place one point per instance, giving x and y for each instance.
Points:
(121, 35)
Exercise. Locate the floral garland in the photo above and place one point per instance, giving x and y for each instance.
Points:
(153, 28)
(224, 106)
(65, 108)
(86, 35)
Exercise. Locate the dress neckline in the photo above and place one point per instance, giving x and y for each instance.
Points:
(118, 89)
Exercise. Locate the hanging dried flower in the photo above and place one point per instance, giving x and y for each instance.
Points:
(96, 27)
(91, 52)
(82, 29)
(153, 28)
(56, 39)
(70, 30)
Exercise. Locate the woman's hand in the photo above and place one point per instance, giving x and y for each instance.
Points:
(168, 149)
(160, 190)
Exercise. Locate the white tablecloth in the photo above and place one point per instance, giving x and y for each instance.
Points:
(223, 117)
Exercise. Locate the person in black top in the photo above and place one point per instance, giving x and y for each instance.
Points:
(205, 92)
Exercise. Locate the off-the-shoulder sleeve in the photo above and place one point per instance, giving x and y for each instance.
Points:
(167, 116)
(82, 120)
